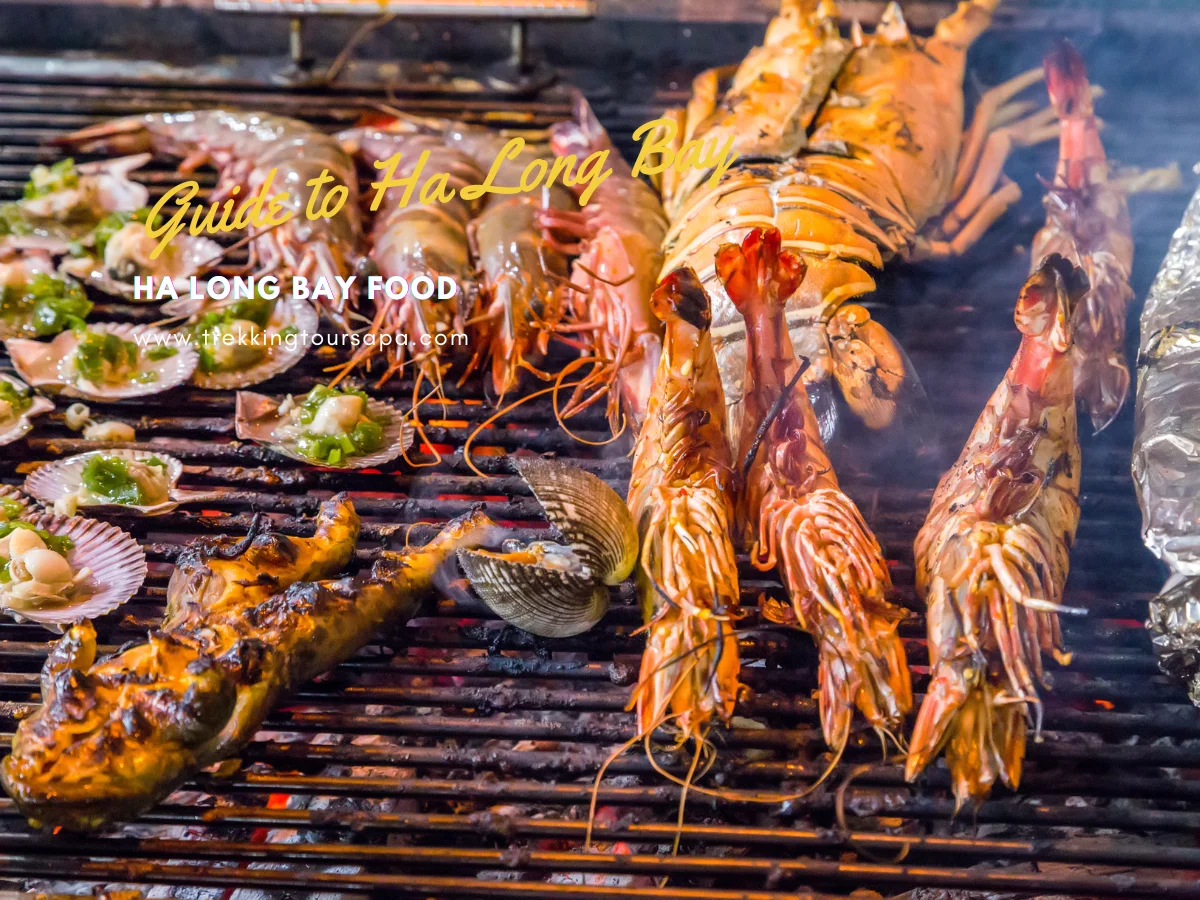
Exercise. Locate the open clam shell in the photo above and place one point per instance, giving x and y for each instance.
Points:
(289, 313)
(117, 563)
(48, 363)
(190, 255)
(590, 515)
(556, 590)
(257, 416)
(16, 427)
(56, 480)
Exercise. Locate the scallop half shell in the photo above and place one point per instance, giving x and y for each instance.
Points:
(291, 312)
(549, 589)
(257, 417)
(65, 476)
(193, 255)
(29, 509)
(19, 426)
(47, 364)
(118, 566)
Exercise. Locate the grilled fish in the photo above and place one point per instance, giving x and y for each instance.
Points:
(247, 621)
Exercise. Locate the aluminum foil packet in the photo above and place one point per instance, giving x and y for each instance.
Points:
(1166, 448)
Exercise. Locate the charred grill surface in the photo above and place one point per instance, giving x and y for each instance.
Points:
(457, 758)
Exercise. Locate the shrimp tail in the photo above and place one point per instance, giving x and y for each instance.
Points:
(1067, 81)
(759, 276)
(581, 135)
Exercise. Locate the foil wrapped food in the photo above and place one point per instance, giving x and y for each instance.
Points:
(1166, 450)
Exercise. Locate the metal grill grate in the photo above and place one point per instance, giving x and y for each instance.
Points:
(457, 759)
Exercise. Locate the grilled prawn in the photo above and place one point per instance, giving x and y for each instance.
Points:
(682, 496)
(1087, 221)
(524, 279)
(796, 516)
(246, 148)
(245, 625)
(993, 554)
(619, 233)
(418, 238)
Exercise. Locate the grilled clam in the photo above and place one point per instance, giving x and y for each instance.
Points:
(249, 341)
(18, 405)
(559, 589)
(105, 361)
(336, 427)
(61, 570)
(105, 480)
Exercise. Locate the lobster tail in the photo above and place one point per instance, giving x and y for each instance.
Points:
(758, 275)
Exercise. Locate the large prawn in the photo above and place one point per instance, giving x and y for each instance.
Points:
(993, 554)
(418, 238)
(886, 171)
(248, 148)
(619, 233)
(1087, 221)
(682, 496)
(524, 279)
(797, 518)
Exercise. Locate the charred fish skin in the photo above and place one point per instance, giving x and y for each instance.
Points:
(1166, 461)
(115, 737)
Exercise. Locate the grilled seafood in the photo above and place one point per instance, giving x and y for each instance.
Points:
(1087, 221)
(682, 495)
(246, 622)
(797, 518)
(523, 278)
(877, 180)
(774, 94)
(553, 589)
(619, 233)
(993, 554)
(418, 238)
(251, 149)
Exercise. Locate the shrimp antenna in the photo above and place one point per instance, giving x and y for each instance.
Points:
(503, 411)
(772, 415)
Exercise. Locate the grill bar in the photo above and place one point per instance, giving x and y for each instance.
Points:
(458, 758)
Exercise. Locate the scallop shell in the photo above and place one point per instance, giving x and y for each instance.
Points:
(118, 566)
(22, 424)
(561, 591)
(195, 254)
(29, 508)
(64, 476)
(295, 313)
(44, 364)
(257, 416)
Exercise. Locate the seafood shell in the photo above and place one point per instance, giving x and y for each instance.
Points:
(192, 256)
(23, 423)
(297, 314)
(15, 495)
(65, 476)
(550, 589)
(257, 417)
(44, 364)
(118, 566)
